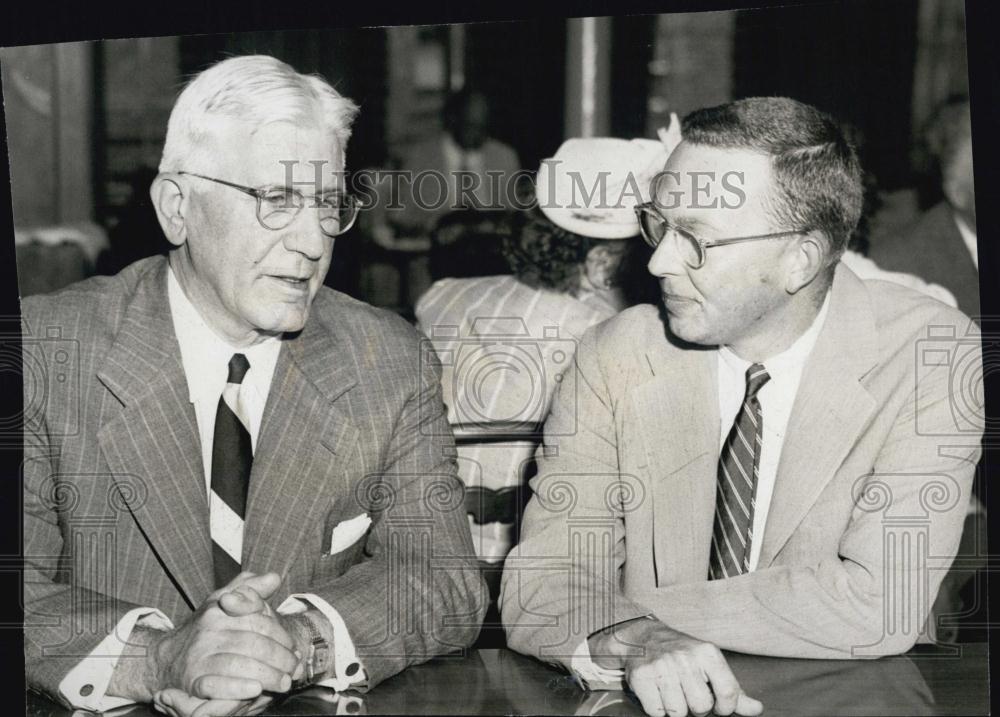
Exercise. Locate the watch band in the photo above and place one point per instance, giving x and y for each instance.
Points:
(318, 659)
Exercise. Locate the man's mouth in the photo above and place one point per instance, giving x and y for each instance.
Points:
(677, 298)
(292, 281)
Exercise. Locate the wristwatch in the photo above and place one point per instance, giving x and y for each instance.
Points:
(318, 658)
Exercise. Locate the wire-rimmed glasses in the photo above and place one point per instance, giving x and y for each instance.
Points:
(277, 207)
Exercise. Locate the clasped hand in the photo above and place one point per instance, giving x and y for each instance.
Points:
(672, 673)
(229, 655)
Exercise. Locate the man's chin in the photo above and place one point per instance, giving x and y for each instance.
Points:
(688, 332)
(286, 324)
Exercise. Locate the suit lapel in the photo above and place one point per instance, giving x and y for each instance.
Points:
(305, 444)
(678, 415)
(831, 408)
(152, 445)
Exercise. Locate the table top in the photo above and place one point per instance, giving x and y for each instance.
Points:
(926, 681)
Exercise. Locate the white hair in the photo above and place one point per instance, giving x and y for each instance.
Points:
(257, 90)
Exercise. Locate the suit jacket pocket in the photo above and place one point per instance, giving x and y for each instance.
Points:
(329, 566)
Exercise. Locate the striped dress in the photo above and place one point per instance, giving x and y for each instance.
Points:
(504, 347)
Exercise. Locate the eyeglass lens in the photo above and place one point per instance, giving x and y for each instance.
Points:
(654, 228)
(279, 208)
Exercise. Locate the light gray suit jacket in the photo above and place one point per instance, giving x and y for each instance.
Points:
(867, 511)
(115, 506)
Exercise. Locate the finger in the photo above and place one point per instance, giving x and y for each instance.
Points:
(218, 687)
(264, 585)
(242, 601)
(696, 693)
(232, 584)
(176, 702)
(671, 693)
(257, 706)
(257, 624)
(218, 708)
(256, 646)
(748, 706)
(229, 664)
(643, 684)
(725, 688)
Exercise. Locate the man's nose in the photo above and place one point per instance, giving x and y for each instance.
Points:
(666, 260)
(306, 237)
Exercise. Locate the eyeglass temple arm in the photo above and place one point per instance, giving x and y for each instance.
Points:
(756, 237)
(246, 190)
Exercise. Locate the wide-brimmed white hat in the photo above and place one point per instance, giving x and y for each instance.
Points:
(592, 185)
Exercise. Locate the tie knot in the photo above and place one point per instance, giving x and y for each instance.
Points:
(238, 367)
(757, 376)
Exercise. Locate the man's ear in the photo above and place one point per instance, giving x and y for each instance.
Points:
(807, 258)
(600, 266)
(170, 200)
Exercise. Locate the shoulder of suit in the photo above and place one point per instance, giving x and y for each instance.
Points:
(86, 308)
(904, 315)
(628, 332)
(363, 324)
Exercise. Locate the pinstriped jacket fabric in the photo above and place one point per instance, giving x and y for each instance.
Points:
(115, 510)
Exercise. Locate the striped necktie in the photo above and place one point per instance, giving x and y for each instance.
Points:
(737, 484)
(232, 458)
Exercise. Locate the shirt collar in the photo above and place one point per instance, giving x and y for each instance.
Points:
(790, 361)
(205, 355)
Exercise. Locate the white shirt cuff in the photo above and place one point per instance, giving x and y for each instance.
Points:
(591, 675)
(348, 667)
(86, 685)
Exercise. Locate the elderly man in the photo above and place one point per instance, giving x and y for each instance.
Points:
(239, 481)
(776, 463)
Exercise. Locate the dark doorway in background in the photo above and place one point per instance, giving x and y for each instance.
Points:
(852, 59)
(521, 66)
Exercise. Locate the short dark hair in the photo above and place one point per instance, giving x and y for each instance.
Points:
(816, 169)
(543, 255)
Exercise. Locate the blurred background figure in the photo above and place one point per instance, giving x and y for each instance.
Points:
(940, 247)
(505, 341)
(461, 169)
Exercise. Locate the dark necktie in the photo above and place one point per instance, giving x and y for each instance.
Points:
(737, 484)
(232, 458)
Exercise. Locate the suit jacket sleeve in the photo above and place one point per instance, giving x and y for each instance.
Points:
(563, 581)
(419, 593)
(63, 623)
(873, 596)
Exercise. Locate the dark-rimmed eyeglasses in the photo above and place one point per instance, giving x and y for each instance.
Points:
(277, 207)
(654, 227)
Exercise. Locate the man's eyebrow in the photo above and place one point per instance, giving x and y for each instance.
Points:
(682, 222)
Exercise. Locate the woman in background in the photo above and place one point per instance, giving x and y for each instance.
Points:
(505, 341)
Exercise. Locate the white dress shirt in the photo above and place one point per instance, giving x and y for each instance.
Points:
(205, 357)
(776, 399)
